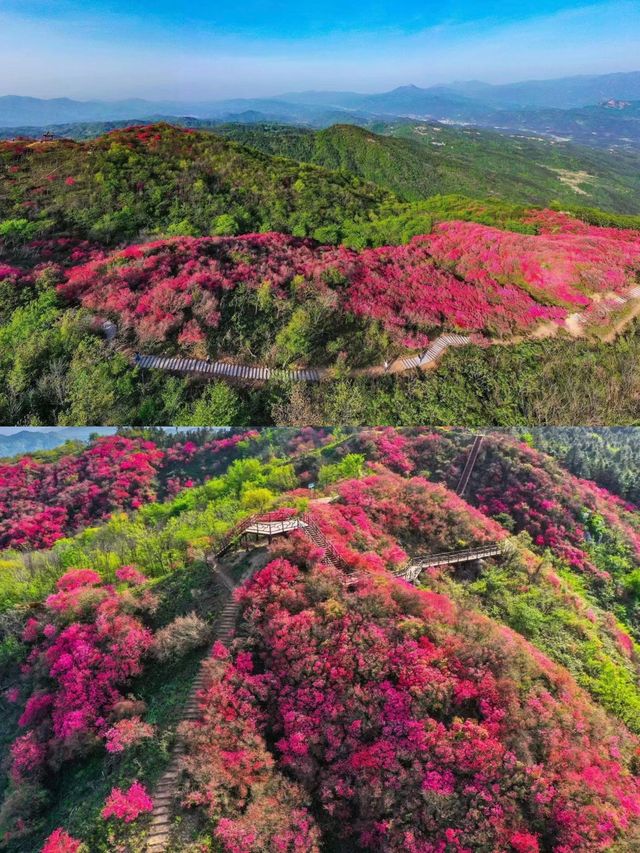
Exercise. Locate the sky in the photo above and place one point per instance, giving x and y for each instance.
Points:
(164, 49)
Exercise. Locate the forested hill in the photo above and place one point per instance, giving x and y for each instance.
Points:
(135, 181)
(418, 160)
(610, 456)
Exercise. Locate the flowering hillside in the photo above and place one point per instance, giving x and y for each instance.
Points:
(187, 293)
(592, 533)
(135, 180)
(190, 244)
(41, 502)
(412, 726)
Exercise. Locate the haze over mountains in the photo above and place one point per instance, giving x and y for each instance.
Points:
(601, 111)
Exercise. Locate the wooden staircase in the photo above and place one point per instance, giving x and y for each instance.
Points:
(437, 348)
(165, 790)
(225, 369)
(245, 373)
(468, 468)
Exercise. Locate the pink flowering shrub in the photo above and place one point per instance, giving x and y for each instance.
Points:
(130, 575)
(127, 733)
(305, 439)
(85, 649)
(464, 276)
(231, 774)
(42, 501)
(27, 756)
(127, 805)
(61, 842)
(557, 267)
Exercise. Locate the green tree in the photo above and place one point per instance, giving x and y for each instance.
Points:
(219, 405)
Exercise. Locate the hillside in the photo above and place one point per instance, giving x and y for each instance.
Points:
(491, 702)
(513, 166)
(417, 160)
(158, 178)
(143, 242)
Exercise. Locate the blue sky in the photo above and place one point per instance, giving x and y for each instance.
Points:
(198, 50)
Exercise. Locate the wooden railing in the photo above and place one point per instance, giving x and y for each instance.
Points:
(268, 528)
(318, 538)
(258, 525)
(233, 534)
(449, 558)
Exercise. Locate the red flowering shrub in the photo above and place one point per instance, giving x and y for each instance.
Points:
(27, 757)
(306, 439)
(131, 575)
(231, 774)
(414, 726)
(41, 502)
(127, 805)
(561, 267)
(64, 251)
(61, 842)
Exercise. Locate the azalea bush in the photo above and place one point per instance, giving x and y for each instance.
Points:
(61, 842)
(43, 501)
(84, 651)
(127, 805)
(231, 775)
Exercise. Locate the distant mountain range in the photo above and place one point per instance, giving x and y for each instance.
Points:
(32, 440)
(600, 111)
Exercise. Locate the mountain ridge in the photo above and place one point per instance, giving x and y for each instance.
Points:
(513, 105)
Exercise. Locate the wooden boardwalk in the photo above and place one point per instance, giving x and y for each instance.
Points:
(275, 528)
(224, 369)
(412, 573)
(601, 312)
(435, 351)
(245, 373)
